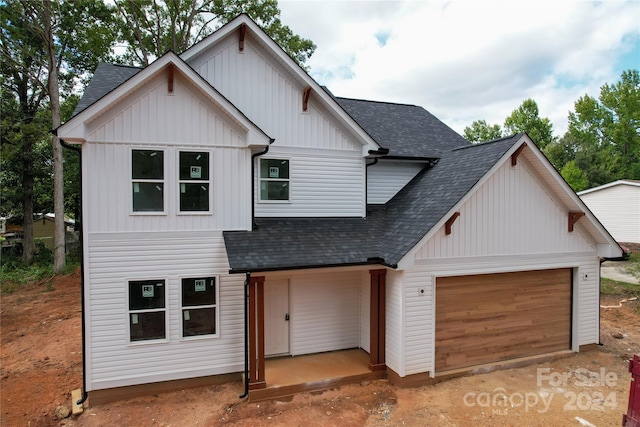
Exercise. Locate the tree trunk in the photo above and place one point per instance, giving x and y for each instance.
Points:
(58, 179)
(27, 200)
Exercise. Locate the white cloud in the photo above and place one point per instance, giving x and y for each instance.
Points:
(468, 60)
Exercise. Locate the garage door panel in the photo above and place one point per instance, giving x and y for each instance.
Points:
(494, 317)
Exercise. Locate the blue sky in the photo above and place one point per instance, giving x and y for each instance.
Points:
(469, 60)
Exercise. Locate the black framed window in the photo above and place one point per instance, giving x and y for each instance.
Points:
(199, 306)
(274, 180)
(147, 177)
(194, 181)
(147, 310)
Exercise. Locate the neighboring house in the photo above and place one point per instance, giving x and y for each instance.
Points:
(44, 228)
(617, 206)
(227, 176)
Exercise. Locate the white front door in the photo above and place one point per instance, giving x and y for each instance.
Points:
(276, 317)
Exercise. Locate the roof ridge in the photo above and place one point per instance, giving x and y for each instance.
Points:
(123, 65)
(483, 143)
(378, 102)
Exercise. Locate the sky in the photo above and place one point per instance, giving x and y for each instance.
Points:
(469, 60)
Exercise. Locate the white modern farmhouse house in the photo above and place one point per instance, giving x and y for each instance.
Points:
(235, 210)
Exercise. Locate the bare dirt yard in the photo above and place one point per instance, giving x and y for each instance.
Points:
(41, 363)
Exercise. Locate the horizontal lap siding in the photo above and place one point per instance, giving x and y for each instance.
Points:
(618, 209)
(494, 317)
(114, 361)
(322, 185)
(325, 312)
(386, 178)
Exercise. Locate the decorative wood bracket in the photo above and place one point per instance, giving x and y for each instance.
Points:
(573, 218)
(305, 98)
(243, 30)
(170, 79)
(449, 223)
(514, 156)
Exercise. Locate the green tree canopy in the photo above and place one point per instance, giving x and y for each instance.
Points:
(526, 118)
(149, 28)
(481, 131)
(608, 131)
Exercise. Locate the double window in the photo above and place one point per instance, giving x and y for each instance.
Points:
(274, 180)
(148, 180)
(147, 312)
(148, 308)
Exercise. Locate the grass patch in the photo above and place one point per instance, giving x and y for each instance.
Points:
(615, 287)
(633, 267)
(14, 274)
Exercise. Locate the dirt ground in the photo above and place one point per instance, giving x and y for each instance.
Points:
(41, 363)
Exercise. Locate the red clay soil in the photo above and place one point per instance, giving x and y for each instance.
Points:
(41, 363)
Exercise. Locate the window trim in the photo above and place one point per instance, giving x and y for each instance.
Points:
(260, 179)
(181, 307)
(180, 181)
(163, 181)
(167, 330)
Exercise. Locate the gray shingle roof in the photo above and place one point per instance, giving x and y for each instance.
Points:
(406, 130)
(106, 78)
(385, 236)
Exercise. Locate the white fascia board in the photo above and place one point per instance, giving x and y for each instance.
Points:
(611, 184)
(318, 92)
(75, 129)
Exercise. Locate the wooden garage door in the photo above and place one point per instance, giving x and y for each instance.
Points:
(494, 317)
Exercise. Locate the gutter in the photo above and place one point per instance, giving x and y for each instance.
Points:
(253, 184)
(85, 395)
(369, 261)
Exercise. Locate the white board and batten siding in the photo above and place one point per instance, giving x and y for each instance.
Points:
(387, 177)
(171, 123)
(326, 164)
(511, 223)
(113, 361)
(617, 207)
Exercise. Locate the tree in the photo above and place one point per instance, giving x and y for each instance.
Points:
(480, 131)
(526, 119)
(149, 28)
(608, 129)
(47, 46)
(574, 176)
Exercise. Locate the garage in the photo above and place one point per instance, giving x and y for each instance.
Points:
(495, 317)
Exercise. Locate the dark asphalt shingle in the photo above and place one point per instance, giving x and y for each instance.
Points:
(388, 232)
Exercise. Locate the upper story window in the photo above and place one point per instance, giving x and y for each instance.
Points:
(147, 177)
(194, 181)
(274, 180)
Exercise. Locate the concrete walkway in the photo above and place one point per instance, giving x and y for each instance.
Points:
(615, 270)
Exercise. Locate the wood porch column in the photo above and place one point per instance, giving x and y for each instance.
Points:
(377, 318)
(256, 333)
